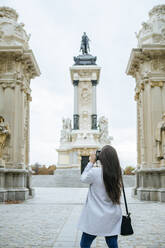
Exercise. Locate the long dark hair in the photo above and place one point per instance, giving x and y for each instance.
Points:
(112, 175)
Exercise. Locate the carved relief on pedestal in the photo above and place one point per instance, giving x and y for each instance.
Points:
(85, 101)
(160, 139)
(85, 96)
(85, 93)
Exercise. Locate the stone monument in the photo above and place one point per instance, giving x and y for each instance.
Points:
(87, 133)
(17, 67)
(147, 66)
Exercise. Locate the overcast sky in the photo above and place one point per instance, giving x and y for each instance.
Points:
(56, 27)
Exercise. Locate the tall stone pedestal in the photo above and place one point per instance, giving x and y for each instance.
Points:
(84, 138)
(17, 67)
(88, 133)
(147, 66)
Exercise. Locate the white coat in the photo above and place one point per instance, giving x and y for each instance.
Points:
(99, 216)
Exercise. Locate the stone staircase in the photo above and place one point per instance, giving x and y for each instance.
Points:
(68, 178)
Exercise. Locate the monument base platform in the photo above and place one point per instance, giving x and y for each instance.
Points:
(67, 166)
(150, 184)
(76, 157)
(15, 185)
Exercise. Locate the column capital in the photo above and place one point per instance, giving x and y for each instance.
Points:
(94, 82)
(75, 82)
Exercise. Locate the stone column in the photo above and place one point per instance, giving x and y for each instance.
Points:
(94, 105)
(146, 65)
(27, 129)
(17, 67)
(75, 115)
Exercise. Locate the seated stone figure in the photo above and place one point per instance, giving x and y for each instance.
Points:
(4, 133)
(66, 130)
(160, 139)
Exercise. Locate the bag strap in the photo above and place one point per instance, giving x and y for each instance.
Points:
(125, 200)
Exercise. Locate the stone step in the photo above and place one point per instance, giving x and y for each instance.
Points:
(68, 178)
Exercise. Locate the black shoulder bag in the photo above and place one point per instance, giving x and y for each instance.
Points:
(126, 227)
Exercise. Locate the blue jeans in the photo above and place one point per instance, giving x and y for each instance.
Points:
(87, 239)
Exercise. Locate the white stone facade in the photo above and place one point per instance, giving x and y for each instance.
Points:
(88, 136)
(147, 66)
(17, 67)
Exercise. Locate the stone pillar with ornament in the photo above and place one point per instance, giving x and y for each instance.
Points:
(87, 134)
(17, 67)
(147, 66)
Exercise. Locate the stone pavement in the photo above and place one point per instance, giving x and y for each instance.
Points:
(49, 221)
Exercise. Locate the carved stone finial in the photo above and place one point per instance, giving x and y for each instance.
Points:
(153, 31)
(8, 13)
(157, 10)
(12, 33)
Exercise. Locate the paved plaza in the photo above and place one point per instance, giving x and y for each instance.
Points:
(49, 221)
